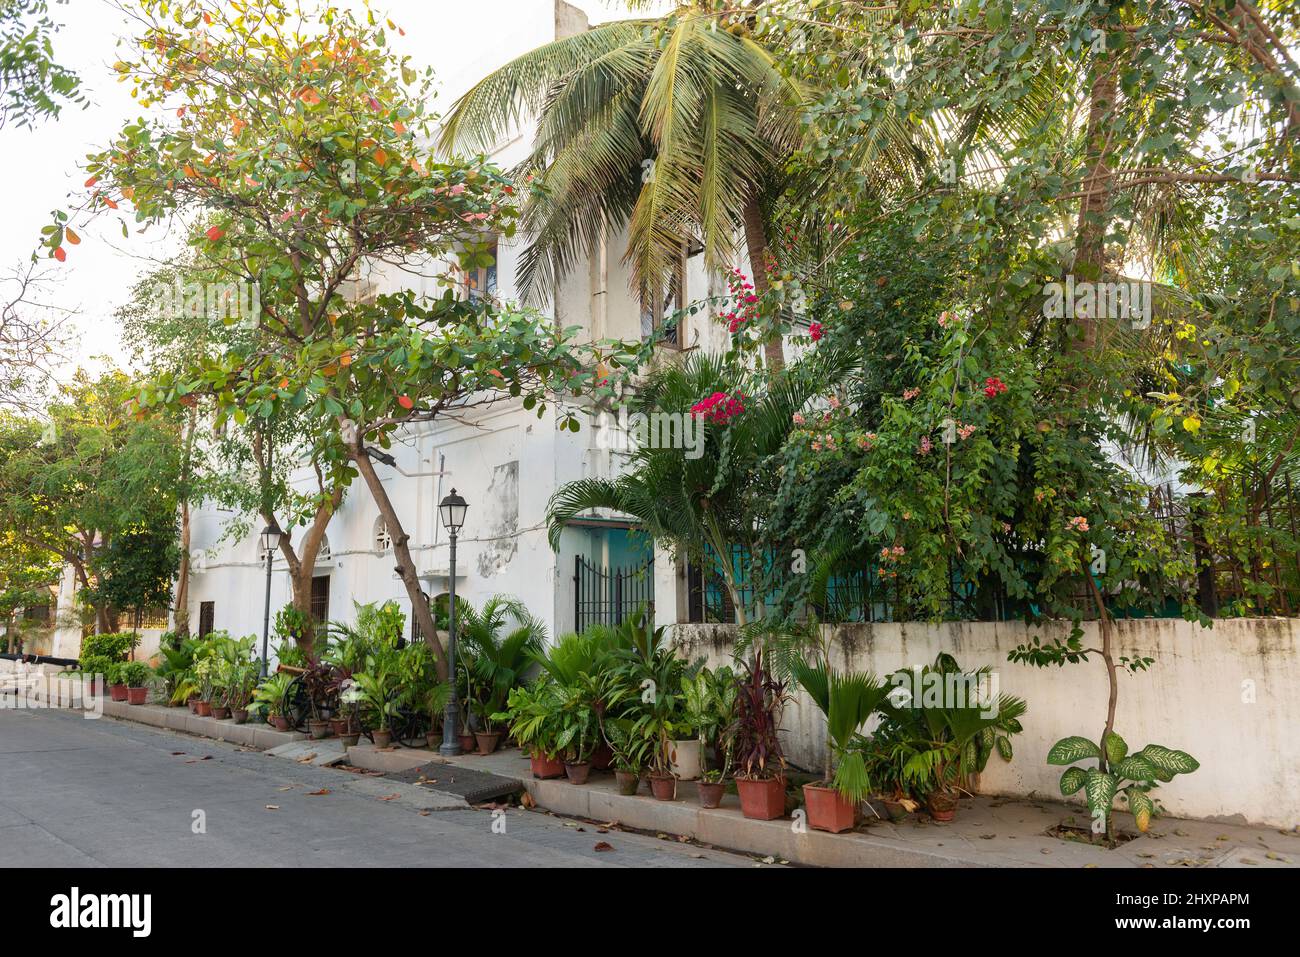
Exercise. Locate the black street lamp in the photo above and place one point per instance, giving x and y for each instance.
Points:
(452, 510)
(270, 539)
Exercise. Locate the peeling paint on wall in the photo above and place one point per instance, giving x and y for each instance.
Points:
(502, 520)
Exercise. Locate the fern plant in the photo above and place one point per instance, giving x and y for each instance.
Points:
(1117, 773)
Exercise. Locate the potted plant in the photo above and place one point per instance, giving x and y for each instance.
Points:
(533, 714)
(847, 701)
(579, 732)
(272, 696)
(351, 699)
(382, 690)
(136, 675)
(240, 690)
(116, 681)
(628, 754)
(320, 682)
(94, 668)
(655, 729)
(709, 699)
(760, 779)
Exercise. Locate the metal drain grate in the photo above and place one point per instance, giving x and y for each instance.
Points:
(476, 787)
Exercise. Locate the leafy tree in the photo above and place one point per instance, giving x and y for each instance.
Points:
(294, 146)
(71, 484)
(136, 569)
(33, 85)
(26, 574)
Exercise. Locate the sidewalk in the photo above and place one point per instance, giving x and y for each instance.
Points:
(988, 831)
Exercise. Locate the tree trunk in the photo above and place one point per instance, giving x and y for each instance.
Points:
(405, 564)
(756, 246)
(1098, 187)
(182, 599)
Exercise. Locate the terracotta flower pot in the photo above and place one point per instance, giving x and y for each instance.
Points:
(383, 739)
(339, 725)
(602, 758)
(319, 728)
(240, 715)
(203, 709)
(628, 782)
(663, 787)
(279, 722)
(762, 799)
(487, 741)
(220, 712)
(468, 743)
(828, 810)
(137, 695)
(896, 810)
(545, 768)
(578, 773)
(350, 739)
(117, 692)
(942, 806)
(711, 792)
(433, 740)
(193, 704)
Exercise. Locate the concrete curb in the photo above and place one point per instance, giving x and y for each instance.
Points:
(726, 827)
(258, 736)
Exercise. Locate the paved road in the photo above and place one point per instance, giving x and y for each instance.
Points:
(87, 793)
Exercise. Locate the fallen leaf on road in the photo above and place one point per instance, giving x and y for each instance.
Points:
(603, 846)
(424, 813)
(390, 797)
(287, 787)
(273, 807)
(769, 860)
(317, 793)
(527, 800)
(174, 753)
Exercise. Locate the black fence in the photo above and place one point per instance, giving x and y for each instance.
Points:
(609, 596)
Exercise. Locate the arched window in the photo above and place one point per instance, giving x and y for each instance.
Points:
(382, 539)
(323, 553)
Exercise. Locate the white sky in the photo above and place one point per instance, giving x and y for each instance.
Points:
(461, 39)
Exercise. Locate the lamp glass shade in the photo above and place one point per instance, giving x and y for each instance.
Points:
(452, 509)
(271, 538)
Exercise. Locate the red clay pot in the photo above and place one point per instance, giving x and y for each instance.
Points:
(279, 722)
(117, 692)
(578, 773)
(194, 705)
(220, 712)
(762, 799)
(828, 810)
(628, 782)
(487, 741)
(137, 695)
(663, 787)
(203, 709)
(468, 743)
(240, 715)
(383, 739)
(711, 792)
(602, 758)
(942, 807)
(339, 725)
(545, 768)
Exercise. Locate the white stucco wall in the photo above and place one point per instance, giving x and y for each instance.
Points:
(1226, 695)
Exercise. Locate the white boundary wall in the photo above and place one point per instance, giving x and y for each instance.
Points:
(1228, 695)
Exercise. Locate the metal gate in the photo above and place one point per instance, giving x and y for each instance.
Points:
(610, 596)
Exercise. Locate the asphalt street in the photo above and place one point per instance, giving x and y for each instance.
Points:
(88, 793)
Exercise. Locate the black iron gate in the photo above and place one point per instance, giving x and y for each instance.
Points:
(609, 596)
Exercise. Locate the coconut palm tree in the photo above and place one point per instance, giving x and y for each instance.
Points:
(676, 127)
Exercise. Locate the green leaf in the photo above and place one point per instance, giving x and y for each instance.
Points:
(1100, 789)
(1116, 748)
(1069, 750)
(1135, 768)
(1168, 760)
(1072, 780)
(1004, 747)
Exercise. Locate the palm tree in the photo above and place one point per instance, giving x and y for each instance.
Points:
(676, 127)
(686, 502)
(496, 657)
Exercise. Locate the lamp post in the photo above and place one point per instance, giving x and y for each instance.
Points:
(452, 511)
(270, 539)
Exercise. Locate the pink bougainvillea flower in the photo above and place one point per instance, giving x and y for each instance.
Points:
(993, 386)
(925, 446)
(910, 394)
(815, 331)
(797, 418)
(1079, 524)
(719, 407)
